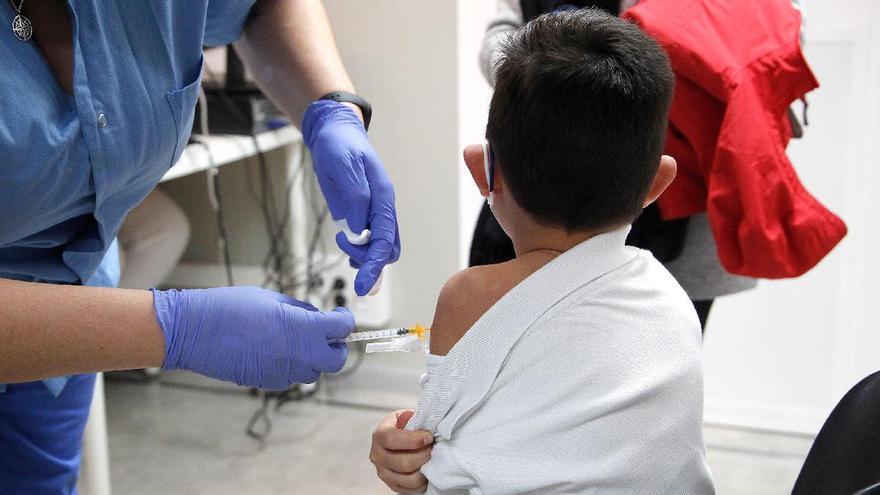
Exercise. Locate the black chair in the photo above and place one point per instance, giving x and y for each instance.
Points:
(845, 457)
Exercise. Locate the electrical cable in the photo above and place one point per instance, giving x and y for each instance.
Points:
(214, 196)
(276, 265)
(279, 265)
(260, 424)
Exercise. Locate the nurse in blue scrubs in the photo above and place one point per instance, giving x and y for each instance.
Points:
(96, 103)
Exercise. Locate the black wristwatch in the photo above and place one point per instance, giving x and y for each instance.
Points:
(345, 97)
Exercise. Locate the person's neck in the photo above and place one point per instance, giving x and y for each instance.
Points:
(536, 237)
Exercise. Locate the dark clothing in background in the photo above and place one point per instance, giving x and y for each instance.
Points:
(490, 243)
(703, 307)
(845, 457)
(664, 239)
(534, 8)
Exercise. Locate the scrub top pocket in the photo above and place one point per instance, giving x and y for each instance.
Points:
(183, 108)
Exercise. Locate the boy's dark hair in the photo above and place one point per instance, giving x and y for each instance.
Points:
(578, 119)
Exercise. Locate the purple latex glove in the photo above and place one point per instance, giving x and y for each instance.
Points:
(356, 187)
(250, 336)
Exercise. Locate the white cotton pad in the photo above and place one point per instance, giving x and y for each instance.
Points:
(355, 239)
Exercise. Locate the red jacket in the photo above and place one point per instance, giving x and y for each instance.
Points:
(738, 67)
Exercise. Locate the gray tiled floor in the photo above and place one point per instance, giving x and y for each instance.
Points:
(185, 435)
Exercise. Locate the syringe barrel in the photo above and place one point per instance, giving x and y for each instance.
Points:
(376, 334)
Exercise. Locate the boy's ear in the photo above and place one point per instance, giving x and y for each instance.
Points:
(664, 176)
(473, 158)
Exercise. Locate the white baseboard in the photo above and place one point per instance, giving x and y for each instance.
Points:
(765, 416)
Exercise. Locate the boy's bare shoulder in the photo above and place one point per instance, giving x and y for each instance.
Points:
(465, 297)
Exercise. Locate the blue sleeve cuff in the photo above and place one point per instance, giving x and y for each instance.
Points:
(225, 21)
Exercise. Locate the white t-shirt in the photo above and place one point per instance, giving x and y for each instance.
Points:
(585, 378)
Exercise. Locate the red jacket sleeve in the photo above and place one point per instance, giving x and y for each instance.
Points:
(765, 222)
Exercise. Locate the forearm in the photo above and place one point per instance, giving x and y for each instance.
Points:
(51, 330)
(288, 47)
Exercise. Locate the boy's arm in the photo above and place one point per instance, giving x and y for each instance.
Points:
(399, 454)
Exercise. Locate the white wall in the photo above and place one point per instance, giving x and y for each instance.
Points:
(474, 94)
(416, 61)
(781, 356)
(401, 56)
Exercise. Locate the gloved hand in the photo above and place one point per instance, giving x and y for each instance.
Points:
(355, 185)
(250, 336)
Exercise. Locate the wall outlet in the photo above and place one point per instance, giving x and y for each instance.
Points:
(337, 289)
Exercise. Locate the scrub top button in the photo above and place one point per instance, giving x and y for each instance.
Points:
(102, 120)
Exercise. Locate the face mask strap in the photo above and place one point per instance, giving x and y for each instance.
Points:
(489, 165)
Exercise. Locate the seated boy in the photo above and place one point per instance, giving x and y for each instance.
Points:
(576, 367)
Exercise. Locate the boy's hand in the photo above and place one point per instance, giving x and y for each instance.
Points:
(399, 454)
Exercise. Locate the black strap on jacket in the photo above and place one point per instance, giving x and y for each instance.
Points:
(534, 8)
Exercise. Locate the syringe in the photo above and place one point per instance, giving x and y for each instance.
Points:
(387, 333)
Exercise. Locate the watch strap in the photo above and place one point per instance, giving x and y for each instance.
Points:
(346, 97)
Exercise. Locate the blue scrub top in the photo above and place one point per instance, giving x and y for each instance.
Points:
(72, 166)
